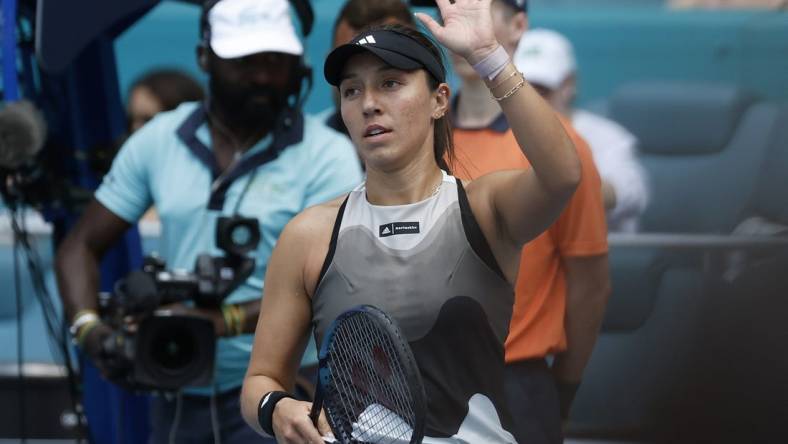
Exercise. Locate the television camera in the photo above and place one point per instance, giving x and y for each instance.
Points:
(155, 350)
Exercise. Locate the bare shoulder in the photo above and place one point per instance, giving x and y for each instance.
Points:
(309, 235)
(314, 222)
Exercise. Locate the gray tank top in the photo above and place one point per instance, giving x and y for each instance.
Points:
(428, 266)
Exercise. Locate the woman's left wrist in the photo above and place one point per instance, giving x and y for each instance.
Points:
(479, 54)
(493, 64)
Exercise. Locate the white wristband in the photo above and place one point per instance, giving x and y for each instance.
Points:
(493, 64)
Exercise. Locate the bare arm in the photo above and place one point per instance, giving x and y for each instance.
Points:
(77, 269)
(79, 255)
(608, 195)
(282, 332)
(588, 288)
(524, 202)
(531, 200)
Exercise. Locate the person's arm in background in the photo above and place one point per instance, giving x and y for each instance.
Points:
(120, 200)
(581, 234)
(588, 288)
(626, 177)
(624, 188)
(609, 197)
(77, 270)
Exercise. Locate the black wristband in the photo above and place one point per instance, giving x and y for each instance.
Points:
(566, 394)
(265, 411)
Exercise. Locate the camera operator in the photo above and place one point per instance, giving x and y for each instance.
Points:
(246, 151)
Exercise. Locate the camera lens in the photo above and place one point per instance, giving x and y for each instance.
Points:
(174, 351)
(237, 235)
(175, 348)
(241, 235)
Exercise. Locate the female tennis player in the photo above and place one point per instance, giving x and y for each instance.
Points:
(438, 255)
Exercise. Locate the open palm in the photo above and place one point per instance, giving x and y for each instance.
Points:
(467, 28)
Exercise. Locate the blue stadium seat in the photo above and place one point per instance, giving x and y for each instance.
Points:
(698, 142)
(716, 156)
(770, 199)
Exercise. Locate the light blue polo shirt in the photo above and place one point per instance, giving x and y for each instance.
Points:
(156, 167)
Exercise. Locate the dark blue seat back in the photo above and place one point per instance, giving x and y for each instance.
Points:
(702, 145)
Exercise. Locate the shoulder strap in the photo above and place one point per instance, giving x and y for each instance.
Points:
(332, 246)
(474, 233)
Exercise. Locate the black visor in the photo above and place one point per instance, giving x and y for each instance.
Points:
(394, 48)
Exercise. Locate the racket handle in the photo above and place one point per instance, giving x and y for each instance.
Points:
(317, 405)
(314, 414)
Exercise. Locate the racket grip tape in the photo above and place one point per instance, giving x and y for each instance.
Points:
(265, 411)
(317, 406)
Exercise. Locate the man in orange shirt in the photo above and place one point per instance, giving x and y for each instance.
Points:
(563, 282)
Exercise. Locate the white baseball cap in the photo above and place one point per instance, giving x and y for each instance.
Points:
(242, 27)
(545, 57)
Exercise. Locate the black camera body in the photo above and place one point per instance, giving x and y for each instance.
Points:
(153, 349)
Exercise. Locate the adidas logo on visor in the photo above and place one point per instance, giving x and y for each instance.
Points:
(365, 40)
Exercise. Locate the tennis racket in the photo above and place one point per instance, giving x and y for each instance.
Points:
(368, 383)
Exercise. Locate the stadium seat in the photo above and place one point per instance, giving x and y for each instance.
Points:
(698, 142)
(770, 199)
(716, 156)
(735, 383)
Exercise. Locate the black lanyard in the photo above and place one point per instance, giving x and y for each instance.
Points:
(288, 130)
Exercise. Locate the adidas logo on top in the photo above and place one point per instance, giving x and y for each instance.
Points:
(394, 228)
(365, 40)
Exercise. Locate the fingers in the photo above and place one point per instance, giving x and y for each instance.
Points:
(302, 431)
(293, 425)
(443, 4)
(322, 425)
(430, 23)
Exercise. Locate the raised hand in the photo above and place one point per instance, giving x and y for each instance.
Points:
(467, 28)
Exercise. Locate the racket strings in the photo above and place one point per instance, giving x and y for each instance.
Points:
(370, 389)
(394, 398)
(372, 421)
(349, 403)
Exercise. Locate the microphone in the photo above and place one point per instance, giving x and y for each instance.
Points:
(23, 131)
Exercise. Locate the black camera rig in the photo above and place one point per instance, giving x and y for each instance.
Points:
(155, 350)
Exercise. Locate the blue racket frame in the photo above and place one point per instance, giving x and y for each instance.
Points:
(324, 376)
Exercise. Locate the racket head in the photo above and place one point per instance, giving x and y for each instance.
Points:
(370, 384)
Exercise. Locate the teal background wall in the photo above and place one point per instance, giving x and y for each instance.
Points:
(616, 41)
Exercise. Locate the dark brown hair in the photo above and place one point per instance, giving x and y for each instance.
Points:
(443, 141)
(361, 14)
(171, 87)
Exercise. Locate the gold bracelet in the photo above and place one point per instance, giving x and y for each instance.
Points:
(82, 334)
(514, 73)
(234, 316)
(228, 320)
(241, 318)
(511, 91)
(233, 319)
(83, 312)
